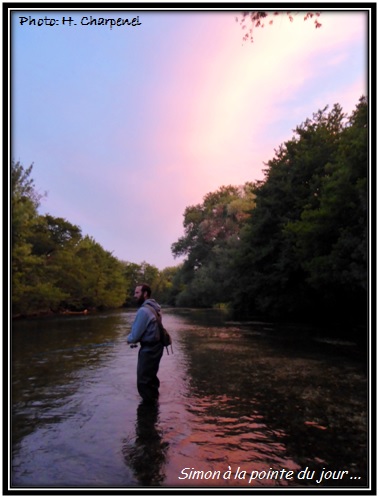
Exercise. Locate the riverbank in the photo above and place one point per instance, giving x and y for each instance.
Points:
(50, 313)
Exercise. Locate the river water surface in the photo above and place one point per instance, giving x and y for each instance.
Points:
(241, 405)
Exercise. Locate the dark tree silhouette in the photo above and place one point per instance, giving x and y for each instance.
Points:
(259, 18)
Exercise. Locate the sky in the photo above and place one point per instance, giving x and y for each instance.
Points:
(127, 126)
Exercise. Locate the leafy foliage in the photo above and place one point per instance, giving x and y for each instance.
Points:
(304, 248)
(56, 269)
(211, 234)
(53, 267)
(257, 19)
(331, 238)
(292, 246)
(295, 244)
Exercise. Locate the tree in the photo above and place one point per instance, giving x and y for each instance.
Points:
(136, 274)
(306, 239)
(53, 234)
(211, 232)
(168, 288)
(24, 202)
(98, 278)
(257, 19)
(331, 237)
(216, 219)
(29, 292)
(53, 266)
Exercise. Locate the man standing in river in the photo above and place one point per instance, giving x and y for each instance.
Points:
(145, 330)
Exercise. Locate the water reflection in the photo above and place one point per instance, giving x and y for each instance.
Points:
(260, 404)
(147, 455)
(231, 396)
(50, 359)
(229, 431)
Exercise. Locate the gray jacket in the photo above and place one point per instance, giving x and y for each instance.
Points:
(145, 326)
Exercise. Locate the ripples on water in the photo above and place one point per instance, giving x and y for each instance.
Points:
(230, 398)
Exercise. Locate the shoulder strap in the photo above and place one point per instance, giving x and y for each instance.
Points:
(158, 316)
(160, 325)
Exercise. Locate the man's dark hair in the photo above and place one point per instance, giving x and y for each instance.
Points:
(146, 288)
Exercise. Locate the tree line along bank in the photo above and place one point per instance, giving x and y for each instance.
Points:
(293, 246)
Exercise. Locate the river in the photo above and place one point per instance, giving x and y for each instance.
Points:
(241, 405)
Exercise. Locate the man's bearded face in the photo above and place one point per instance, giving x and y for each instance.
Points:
(139, 296)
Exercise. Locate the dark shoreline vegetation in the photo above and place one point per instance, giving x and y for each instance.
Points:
(343, 338)
(291, 248)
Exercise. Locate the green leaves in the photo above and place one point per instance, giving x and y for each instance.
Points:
(53, 266)
(211, 233)
(306, 243)
(294, 245)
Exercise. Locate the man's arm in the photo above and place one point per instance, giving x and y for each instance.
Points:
(139, 326)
